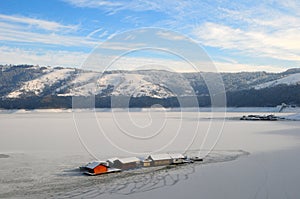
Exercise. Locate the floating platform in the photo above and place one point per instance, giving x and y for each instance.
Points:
(196, 159)
(110, 170)
(260, 118)
(124, 164)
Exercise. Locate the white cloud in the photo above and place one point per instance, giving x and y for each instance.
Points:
(238, 67)
(120, 46)
(282, 44)
(117, 5)
(77, 59)
(94, 3)
(42, 24)
(98, 33)
(174, 9)
(171, 35)
(263, 18)
(264, 28)
(99, 62)
(10, 55)
(24, 30)
(290, 5)
(15, 35)
(260, 30)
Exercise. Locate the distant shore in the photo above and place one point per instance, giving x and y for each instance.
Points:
(190, 109)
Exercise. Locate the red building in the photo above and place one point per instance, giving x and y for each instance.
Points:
(97, 168)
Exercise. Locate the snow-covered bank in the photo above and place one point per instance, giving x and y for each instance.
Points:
(161, 109)
(295, 117)
(22, 111)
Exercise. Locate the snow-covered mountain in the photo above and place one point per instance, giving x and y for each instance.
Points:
(75, 82)
(134, 85)
(37, 86)
(244, 88)
(291, 79)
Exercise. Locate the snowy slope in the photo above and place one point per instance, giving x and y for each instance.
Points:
(153, 83)
(120, 84)
(157, 84)
(134, 85)
(293, 117)
(175, 82)
(84, 77)
(38, 85)
(292, 79)
(81, 84)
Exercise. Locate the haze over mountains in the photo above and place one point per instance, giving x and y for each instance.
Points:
(26, 86)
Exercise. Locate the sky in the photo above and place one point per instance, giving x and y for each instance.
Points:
(258, 35)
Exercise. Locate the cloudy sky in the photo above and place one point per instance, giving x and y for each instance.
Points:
(237, 35)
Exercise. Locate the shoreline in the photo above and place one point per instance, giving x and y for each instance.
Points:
(177, 109)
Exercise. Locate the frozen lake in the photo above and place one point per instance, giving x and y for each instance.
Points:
(41, 151)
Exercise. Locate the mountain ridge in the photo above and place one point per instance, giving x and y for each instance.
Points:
(28, 82)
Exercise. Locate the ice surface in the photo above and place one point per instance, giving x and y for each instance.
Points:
(45, 151)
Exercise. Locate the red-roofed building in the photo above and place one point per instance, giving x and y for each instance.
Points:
(97, 168)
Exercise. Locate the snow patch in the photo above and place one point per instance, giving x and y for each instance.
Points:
(38, 85)
(122, 84)
(81, 85)
(292, 79)
(156, 84)
(293, 117)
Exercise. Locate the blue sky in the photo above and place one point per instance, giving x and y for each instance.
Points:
(237, 35)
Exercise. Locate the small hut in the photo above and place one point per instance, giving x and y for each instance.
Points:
(96, 168)
(160, 159)
(146, 163)
(111, 161)
(177, 158)
(127, 163)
